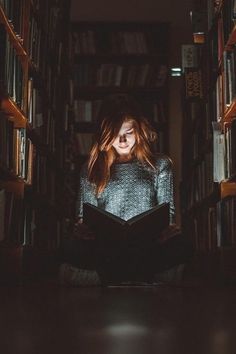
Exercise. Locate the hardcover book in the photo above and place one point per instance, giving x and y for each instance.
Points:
(143, 227)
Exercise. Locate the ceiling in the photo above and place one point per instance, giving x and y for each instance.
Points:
(176, 12)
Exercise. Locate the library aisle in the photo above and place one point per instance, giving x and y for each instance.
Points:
(54, 75)
(165, 320)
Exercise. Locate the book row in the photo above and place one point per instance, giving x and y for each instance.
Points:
(12, 217)
(15, 12)
(41, 115)
(197, 129)
(222, 29)
(11, 71)
(42, 42)
(213, 7)
(16, 150)
(197, 146)
(200, 183)
(215, 226)
(6, 142)
(224, 145)
(23, 221)
(229, 82)
(17, 155)
(87, 110)
(45, 179)
(116, 43)
(224, 90)
(108, 75)
(228, 18)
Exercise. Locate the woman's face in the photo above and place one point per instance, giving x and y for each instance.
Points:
(125, 139)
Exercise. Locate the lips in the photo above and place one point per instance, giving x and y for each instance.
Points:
(123, 147)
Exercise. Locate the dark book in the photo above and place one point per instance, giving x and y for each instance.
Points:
(140, 228)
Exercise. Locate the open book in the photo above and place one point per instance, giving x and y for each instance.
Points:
(142, 227)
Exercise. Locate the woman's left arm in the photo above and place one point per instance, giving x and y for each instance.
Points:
(86, 193)
(165, 186)
(165, 194)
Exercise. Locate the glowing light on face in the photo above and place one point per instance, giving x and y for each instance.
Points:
(125, 139)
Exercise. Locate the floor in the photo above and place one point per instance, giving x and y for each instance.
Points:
(43, 317)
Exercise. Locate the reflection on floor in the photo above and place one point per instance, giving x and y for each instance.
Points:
(41, 318)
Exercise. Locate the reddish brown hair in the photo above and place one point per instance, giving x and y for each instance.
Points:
(114, 111)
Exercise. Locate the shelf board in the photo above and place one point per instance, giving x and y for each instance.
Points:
(16, 42)
(227, 188)
(11, 109)
(10, 175)
(230, 112)
(16, 186)
(232, 39)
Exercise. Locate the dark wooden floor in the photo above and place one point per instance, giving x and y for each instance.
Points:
(41, 318)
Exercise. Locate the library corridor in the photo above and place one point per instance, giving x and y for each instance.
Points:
(117, 177)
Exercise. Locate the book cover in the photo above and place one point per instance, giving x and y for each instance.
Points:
(143, 227)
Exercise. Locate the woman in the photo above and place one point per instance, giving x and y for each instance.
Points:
(124, 177)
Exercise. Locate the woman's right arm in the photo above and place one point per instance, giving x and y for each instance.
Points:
(86, 194)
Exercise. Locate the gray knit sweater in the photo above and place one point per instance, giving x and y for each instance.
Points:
(132, 189)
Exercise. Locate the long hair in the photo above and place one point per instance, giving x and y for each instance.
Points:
(114, 111)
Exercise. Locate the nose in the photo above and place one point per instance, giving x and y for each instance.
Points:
(123, 138)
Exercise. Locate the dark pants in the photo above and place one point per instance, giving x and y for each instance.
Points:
(132, 262)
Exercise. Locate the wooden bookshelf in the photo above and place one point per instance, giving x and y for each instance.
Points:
(227, 189)
(31, 124)
(110, 58)
(14, 112)
(15, 40)
(211, 220)
(16, 186)
(230, 111)
(232, 39)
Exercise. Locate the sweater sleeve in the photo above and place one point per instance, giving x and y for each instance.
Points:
(164, 185)
(85, 192)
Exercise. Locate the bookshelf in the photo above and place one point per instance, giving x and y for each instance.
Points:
(110, 58)
(208, 152)
(33, 70)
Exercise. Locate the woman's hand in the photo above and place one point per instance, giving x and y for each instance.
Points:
(169, 232)
(82, 231)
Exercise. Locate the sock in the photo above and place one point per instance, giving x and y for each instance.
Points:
(70, 275)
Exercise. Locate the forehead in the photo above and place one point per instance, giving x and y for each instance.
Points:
(128, 124)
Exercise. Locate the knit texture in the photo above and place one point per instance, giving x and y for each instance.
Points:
(132, 189)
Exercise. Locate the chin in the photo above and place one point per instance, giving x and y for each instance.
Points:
(124, 152)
